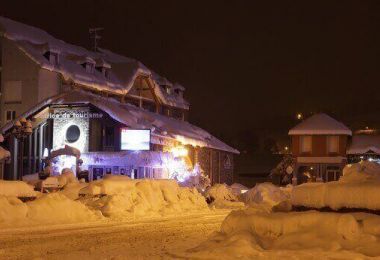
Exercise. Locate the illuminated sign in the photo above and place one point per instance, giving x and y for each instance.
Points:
(135, 140)
(73, 114)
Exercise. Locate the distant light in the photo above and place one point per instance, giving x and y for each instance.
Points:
(286, 148)
(243, 191)
(311, 168)
(366, 127)
(46, 153)
(370, 159)
(299, 116)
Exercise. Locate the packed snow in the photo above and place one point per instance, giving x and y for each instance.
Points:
(357, 188)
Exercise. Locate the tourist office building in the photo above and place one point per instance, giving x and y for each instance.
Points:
(97, 112)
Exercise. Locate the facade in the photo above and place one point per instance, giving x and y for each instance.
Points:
(319, 146)
(101, 104)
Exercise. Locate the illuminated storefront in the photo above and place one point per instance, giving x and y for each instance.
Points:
(93, 137)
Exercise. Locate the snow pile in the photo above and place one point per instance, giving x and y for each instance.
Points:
(222, 196)
(121, 197)
(257, 234)
(269, 195)
(361, 172)
(358, 188)
(71, 190)
(67, 176)
(48, 209)
(56, 208)
(16, 189)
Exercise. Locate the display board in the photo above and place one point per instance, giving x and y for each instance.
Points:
(135, 140)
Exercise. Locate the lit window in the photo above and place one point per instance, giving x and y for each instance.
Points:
(333, 144)
(10, 115)
(305, 144)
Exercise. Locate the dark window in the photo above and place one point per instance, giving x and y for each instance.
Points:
(10, 115)
(72, 134)
(109, 136)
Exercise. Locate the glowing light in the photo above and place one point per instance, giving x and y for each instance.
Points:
(178, 169)
(46, 153)
(179, 151)
(64, 161)
(299, 116)
(243, 191)
(286, 148)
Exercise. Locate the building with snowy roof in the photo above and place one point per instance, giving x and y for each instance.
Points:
(365, 145)
(120, 115)
(319, 146)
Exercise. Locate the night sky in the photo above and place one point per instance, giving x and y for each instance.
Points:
(246, 65)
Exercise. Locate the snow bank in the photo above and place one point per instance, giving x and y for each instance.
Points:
(48, 209)
(361, 172)
(267, 194)
(222, 196)
(56, 208)
(16, 189)
(358, 188)
(126, 198)
(253, 233)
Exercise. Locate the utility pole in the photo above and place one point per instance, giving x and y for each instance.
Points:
(94, 34)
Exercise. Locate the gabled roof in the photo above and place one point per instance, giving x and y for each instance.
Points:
(35, 43)
(136, 118)
(320, 124)
(362, 144)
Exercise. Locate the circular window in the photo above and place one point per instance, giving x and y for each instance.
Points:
(72, 134)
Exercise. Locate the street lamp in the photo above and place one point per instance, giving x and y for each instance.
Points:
(22, 128)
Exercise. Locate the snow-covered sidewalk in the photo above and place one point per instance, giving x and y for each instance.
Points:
(154, 238)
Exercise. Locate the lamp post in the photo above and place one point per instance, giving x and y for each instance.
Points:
(22, 128)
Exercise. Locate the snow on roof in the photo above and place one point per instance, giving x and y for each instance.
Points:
(364, 143)
(136, 118)
(320, 124)
(35, 43)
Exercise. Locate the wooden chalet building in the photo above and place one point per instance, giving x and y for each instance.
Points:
(89, 100)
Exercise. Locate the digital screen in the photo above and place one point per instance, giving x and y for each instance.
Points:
(135, 140)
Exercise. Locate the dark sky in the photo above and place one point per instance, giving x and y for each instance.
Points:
(245, 64)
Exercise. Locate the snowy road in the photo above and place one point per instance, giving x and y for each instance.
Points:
(143, 239)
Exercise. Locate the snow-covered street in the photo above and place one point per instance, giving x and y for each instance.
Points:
(142, 239)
